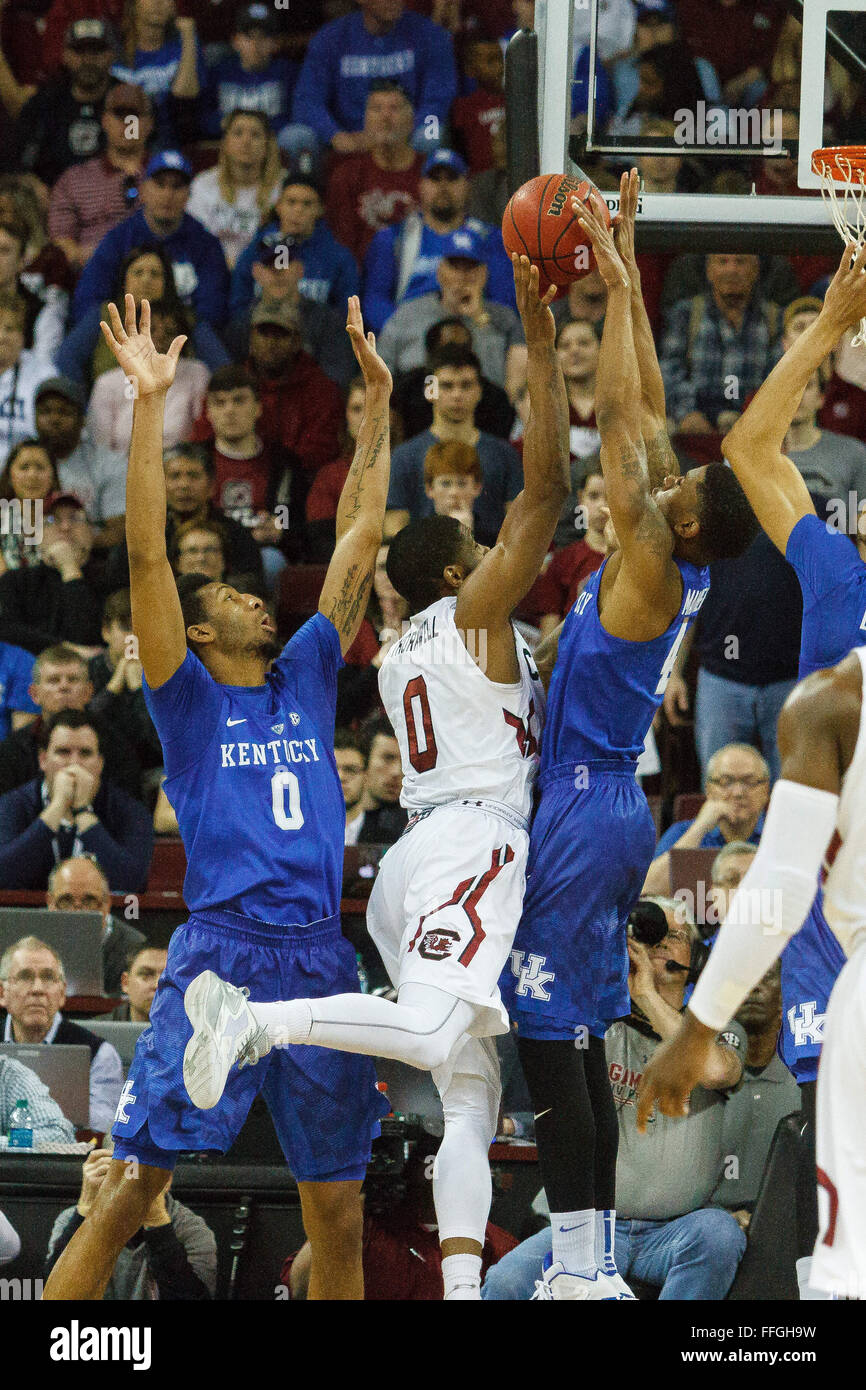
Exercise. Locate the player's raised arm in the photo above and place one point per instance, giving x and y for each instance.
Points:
(817, 732)
(662, 462)
(157, 620)
(644, 536)
(508, 571)
(361, 511)
(753, 447)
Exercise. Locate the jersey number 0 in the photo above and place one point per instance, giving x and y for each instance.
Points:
(283, 780)
(416, 705)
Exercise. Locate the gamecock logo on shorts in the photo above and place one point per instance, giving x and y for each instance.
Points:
(437, 944)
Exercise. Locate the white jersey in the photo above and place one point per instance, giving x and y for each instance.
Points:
(845, 884)
(461, 735)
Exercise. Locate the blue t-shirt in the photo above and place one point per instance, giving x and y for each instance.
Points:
(155, 72)
(253, 781)
(16, 674)
(501, 469)
(833, 580)
(330, 271)
(229, 88)
(713, 839)
(605, 690)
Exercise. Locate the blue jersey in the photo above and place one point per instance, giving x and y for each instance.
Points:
(253, 781)
(833, 580)
(605, 690)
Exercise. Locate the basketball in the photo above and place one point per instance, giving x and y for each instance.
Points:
(539, 223)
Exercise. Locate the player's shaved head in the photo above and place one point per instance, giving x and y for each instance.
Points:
(419, 555)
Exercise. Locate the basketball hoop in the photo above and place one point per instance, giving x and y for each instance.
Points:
(842, 170)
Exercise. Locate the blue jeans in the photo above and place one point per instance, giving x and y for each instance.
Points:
(692, 1257)
(729, 712)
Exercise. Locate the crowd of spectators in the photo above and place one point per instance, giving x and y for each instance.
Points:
(246, 168)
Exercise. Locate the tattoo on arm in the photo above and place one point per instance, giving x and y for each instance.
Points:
(661, 459)
(366, 457)
(349, 606)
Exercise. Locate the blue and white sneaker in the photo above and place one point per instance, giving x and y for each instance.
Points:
(557, 1284)
(224, 1032)
(618, 1283)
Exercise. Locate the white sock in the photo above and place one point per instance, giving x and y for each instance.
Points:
(461, 1275)
(605, 1228)
(288, 1022)
(574, 1240)
(807, 1293)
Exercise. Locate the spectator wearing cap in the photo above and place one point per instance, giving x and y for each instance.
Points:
(94, 474)
(252, 78)
(17, 709)
(197, 260)
(381, 39)
(401, 262)
(109, 413)
(56, 598)
(161, 54)
(374, 189)
(21, 371)
(60, 682)
(46, 311)
(79, 885)
(60, 125)
(237, 196)
(33, 992)
(146, 273)
(301, 408)
(71, 809)
(461, 274)
(299, 232)
(89, 199)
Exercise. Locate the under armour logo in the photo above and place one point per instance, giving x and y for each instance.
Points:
(295, 718)
(126, 1098)
(278, 728)
(531, 977)
(806, 1025)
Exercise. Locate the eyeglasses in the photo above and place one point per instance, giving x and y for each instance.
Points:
(67, 903)
(725, 783)
(201, 550)
(29, 977)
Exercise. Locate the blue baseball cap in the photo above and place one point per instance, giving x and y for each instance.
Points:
(445, 159)
(662, 8)
(464, 245)
(169, 159)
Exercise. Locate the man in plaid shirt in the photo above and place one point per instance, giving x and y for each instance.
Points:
(717, 347)
(18, 1082)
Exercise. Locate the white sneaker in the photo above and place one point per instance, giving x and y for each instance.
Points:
(557, 1284)
(622, 1289)
(224, 1032)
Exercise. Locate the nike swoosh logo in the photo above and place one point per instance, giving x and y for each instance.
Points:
(231, 722)
(542, 1113)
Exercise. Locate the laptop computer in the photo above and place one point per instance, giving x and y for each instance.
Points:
(64, 1069)
(122, 1035)
(75, 936)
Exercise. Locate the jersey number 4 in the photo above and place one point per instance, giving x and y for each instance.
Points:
(285, 781)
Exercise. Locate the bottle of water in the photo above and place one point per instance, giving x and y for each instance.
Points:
(20, 1127)
(363, 977)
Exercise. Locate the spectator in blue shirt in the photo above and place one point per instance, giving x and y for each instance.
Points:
(163, 57)
(402, 260)
(16, 674)
(458, 380)
(253, 78)
(738, 789)
(380, 39)
(299, 233)
(201, 275)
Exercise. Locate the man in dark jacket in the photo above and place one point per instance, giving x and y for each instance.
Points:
(57, 600)
(69, 810)
(79, 885)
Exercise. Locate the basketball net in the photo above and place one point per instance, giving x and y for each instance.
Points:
(843, 187)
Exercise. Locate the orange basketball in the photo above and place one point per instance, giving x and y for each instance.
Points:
(539, 223)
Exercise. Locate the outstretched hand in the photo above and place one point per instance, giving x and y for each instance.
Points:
(149, 370)
(610, 265)
(845, 299)
(376, 374)
(623, 223)
(539, 325)
(673, 1072)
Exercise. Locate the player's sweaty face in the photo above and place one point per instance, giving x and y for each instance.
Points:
(241, 621)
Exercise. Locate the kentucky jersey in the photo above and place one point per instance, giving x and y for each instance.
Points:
(833, 580)
(253, 781)
(605, 690)
(460, 734)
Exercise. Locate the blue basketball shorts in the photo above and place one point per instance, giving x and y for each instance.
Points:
(324, 1104)
(591, 844)
(811, 963)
